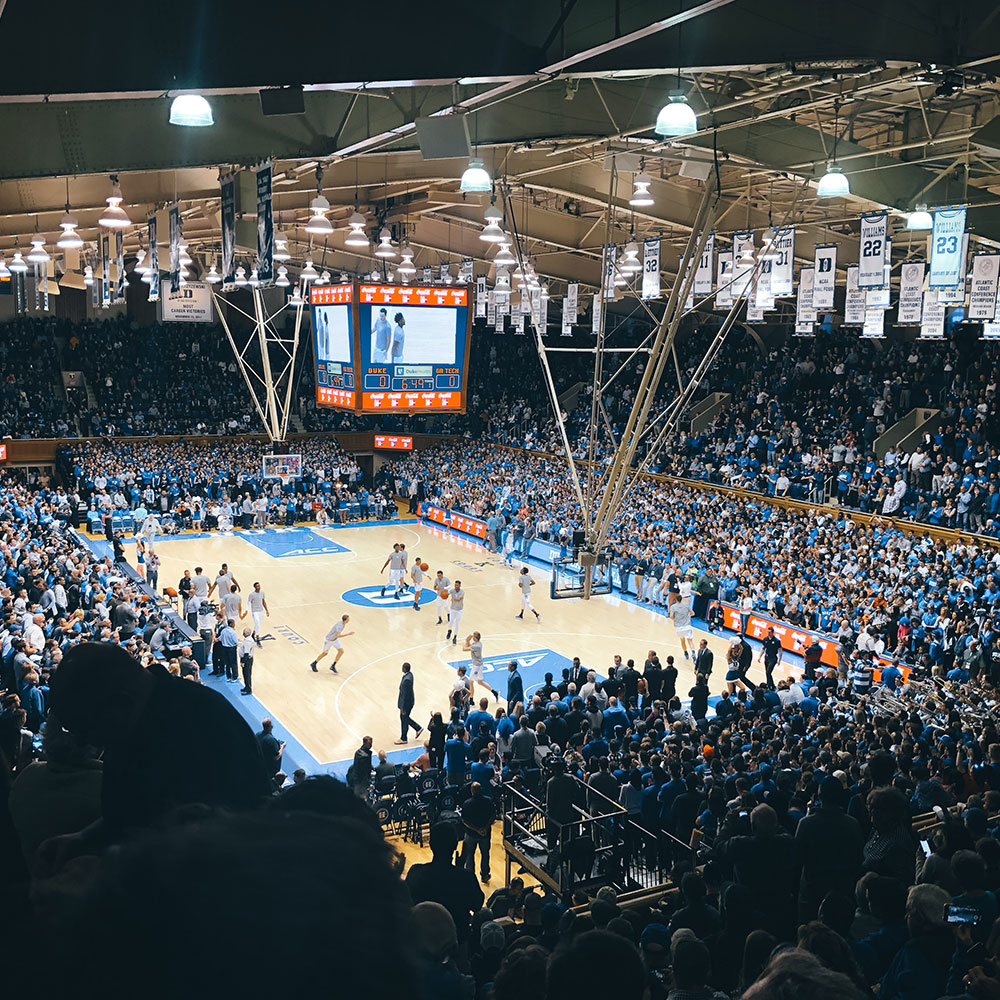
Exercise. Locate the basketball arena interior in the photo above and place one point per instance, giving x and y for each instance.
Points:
(500, 501)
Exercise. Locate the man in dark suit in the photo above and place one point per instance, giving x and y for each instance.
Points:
(704, 659)
(404, 702)
(515, 687)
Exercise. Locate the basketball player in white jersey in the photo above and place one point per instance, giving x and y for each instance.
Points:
(232, 604)
(257, 606)
(417, 574)
(474, 647)
(455, 613)
(525, 582)
(223, 581)
(332, 641)
(404, 586)
(441, 585)
(397, 567)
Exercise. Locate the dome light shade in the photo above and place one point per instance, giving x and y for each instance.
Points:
(504, 258)
(139, 267)
(309, 273)
(185, 257)
(475, 178)
(385, 247)
(492, 233)
(70, 239)
(18, 265)
(114, 216)
(38, 254)
(641, 198)
(282, 280)
(545, 293)
(833, 184)
(88, 276)
(281, 246)
(4, 271)
(356, 237)
(324, 278)
(502, 282)
(191, 111)
(319, 223)
(406, 266)
(213, 277)
(676, 117)
(919, 219)
(296, 298)
(241, 276)
(631, 264)
(253, 281)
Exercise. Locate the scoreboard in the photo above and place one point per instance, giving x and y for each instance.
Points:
(408, 347)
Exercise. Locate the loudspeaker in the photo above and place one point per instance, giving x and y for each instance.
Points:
(282, 101)
(444, 137)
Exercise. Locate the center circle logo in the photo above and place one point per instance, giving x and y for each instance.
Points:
(372, 597)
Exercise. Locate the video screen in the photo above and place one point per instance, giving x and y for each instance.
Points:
(414, 344)
(333, 345)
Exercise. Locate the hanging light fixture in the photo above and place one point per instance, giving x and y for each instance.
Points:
(475, 179)
(385, 248)
(18, 265)
(241, 276)
(88, 275)
(834, 183)
(503, 281)
(281, 246)
(185, 258)
(631, 263)
(140, 267)
(4, 270)
(191, 111)
(324, 278)
(318, 223)
(343, 277)
(919, 219)
(504, 258)
(406, 266)
(213, 277)
(114, 217)
(676, 117)
(296, 298)
(357, 236)
(545, 292)
(745, 258)
(309, 273)
(38, 254)
(281, 281)
(492, 233)
(253, 281)
(641, 198)
(70, 239)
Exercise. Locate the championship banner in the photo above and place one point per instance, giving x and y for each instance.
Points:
(45, 288)
(265, 225)
(755, 313)
(991, 331)
(520, 318)
(651, 268)
(535, 297)
(154, 261)
(38, 287)
(428, 274)
(491, 309)
(911, 293)
(724, 285)
(947, 258)
(228, 213)
(175, 247)
(595, 317)
(608, 270)
(95, 292)
(805, 315)
(762, 298)
(466, 272)
(119, 266)
(689, 301)
(932, 320)
(569, 308)
(854, 302)
(874, 250)
(543, 314)
(703, 273)
(503, 304)
(782, 276)
(826, 275)
(983, 289)
(874, 325)
(105, 271)
(743, 263)
(481, 296)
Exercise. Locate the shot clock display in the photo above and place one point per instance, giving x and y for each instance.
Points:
(333, 345)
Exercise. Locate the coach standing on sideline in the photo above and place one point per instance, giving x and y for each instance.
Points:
(246, 649)
(405, 705)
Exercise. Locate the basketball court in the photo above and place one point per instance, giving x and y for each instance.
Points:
(312, 575)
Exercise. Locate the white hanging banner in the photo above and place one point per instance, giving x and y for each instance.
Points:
(595, 321)
(983, 290)
(762, 297)
(481, 296)
(754, 313)
(911, 293)
(651, 268)
(502, 297)
(428, 274)
(874, 325)
(826, 275)
(782, 276)
(610, 261)
(491, 308)
(689, 300)
(956, 296)
(874, 250)
(724, 285)
(932, 320)
(535, 296)
(879, 298)
(465, 272)
(743, 263)
(805, 315)
(569, 308)
(947, 257)
(991, 331)
(703, 273)
(854, 302)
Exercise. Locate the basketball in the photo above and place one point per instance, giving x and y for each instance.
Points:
(443, 594)
(424, 566)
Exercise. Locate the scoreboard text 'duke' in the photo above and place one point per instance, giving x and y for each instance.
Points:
(383, 348)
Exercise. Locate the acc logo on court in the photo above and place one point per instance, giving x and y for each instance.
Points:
(371, 597)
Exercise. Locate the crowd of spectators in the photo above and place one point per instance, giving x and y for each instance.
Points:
(32, 401)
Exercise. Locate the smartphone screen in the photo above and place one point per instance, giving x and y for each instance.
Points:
(962, 915)
(926, 847)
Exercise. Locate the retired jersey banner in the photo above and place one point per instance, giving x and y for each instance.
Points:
(595, 314)
(703, 273)
(569, 308)
(491, 309)
(932, 320)
(481, 296)
(428, 274)
(724, 286)
(826, 275)
(854, 301)
(874, 250)
(265, 225)
(947, 248)
(874, 325)
(983, 290)
(782, 275)
(105, 271)
(609, 270)
(911, 293)
(228, 213)
(651, 268)
(154, 260)
(465, 272)
(119, 266)
(174, 217)
(743, 263)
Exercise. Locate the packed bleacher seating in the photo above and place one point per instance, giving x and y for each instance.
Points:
(32, 402)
